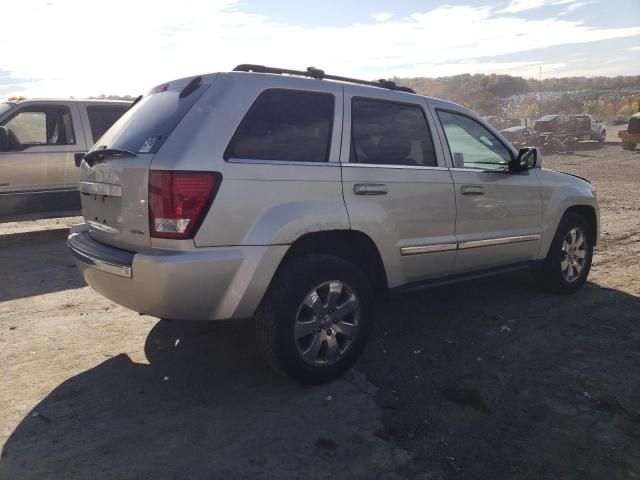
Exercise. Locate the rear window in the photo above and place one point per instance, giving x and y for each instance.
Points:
(101, 117)
(285, 125)
(146, 126)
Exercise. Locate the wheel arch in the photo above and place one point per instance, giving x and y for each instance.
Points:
(352, 245)
(588, 212)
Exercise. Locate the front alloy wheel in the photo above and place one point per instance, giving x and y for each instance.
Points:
(574, 251)
(567, 265)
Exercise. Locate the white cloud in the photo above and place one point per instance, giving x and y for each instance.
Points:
(633, 49)
(76, 47)
(516, 6)
(521, 5)
(382, 16)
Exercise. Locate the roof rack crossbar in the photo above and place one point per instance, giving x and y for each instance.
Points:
(318, 74)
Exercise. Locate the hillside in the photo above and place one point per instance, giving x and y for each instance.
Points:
(607, 97)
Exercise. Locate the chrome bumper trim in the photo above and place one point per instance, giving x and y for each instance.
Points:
(120, 269)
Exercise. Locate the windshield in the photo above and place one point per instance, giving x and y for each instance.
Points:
(145, 127)
(5, 107)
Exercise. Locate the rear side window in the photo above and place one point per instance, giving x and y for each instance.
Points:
(390, 133)
(285, 125)
(37, 125)
(147, 124)
(102, 117)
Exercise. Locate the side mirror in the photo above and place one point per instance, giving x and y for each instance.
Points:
(4, 139)
(528, 158)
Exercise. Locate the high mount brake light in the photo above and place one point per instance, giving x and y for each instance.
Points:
(159, 88)
(179, 201)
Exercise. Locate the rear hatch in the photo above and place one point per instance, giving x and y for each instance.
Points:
(115, 173)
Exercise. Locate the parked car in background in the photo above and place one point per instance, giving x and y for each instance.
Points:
(275, 194)
(500, 123)
(39, 142)
(583, 127)
(520, 136)
(631, 135)
(598, 129)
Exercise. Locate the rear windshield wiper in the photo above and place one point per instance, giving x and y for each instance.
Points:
(138, 98)
(191, 87)
(91, 157)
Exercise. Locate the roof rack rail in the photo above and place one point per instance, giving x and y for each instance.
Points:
(318, 74)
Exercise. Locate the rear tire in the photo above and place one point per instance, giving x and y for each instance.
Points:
(569, 259)
(315, 318)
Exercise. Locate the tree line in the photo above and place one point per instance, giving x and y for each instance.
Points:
(511, 95)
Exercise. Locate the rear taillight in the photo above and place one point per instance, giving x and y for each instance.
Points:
(178, 201)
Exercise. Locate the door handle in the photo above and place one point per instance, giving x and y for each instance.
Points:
(472, 190)
(370, 189)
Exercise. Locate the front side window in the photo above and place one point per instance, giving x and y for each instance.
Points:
(390, 133)
(40, 125)
(472, 145)
(285, 125)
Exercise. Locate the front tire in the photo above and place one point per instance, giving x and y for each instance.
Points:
(569, 259)
(315, 318)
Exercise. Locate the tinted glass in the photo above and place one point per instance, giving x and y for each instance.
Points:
(390, 133)
(101, 118)
(285, 125)
(472, 145)
(146, 126)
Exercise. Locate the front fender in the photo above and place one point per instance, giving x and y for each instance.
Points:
(559, 193)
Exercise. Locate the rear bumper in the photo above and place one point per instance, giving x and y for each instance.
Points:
(200, 284)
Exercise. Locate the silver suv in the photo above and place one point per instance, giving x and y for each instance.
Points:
(298, 198)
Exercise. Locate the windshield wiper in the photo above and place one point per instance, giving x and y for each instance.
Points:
(91, 157)
(138, 98)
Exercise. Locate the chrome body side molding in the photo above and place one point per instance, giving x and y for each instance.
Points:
(444, 247)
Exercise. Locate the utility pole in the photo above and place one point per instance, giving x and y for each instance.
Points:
(540, 98)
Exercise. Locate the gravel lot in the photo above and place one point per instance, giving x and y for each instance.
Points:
(485, 380)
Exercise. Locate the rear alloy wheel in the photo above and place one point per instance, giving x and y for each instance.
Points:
(315, 319)
(603, 137)
(327, 323)
(569, 259)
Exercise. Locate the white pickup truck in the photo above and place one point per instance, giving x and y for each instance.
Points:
(41, 142)
(598, 129)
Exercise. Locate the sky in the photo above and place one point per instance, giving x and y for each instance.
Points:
(60, 48)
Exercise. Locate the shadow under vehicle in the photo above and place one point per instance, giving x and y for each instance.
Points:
(41, 141)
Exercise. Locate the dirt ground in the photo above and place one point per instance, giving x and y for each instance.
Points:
(492, 379)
